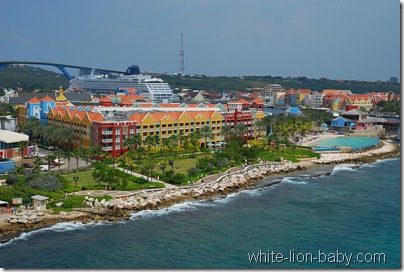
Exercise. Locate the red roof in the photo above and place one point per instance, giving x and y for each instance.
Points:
(33, 100)
(304, 91)
(47, 98)
(105, 99)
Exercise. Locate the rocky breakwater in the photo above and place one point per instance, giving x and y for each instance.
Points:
(119, 208)
(385, 150)
(222, 186)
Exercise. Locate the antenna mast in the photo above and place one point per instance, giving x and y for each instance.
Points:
(182, 69)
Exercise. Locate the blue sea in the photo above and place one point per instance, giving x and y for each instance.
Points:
(343, 216)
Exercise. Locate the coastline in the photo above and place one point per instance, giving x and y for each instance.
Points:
(214, 186)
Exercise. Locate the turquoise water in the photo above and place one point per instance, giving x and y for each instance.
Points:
(353, 142)
(354, 210)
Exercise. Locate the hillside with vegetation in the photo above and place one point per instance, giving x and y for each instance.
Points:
(33, 78)
(212, 84)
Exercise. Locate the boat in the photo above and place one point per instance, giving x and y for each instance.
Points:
(154, 90)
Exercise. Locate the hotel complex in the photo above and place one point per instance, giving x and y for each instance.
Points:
(111, 122)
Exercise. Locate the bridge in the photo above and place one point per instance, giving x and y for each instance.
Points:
(62, 67)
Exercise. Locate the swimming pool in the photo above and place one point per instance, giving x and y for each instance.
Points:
(347, 141)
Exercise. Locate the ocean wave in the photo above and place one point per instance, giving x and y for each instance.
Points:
(193, 205)
(247, 192)
(293, 180)
(58, 227)
(344, 167)
(179, 207)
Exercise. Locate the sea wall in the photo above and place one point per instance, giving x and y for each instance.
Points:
(384, 150)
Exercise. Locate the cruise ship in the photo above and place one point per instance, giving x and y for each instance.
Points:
(154, 90)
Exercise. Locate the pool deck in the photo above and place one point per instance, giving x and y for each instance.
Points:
(309, 141)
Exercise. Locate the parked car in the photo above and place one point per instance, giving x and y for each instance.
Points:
(53, 148)
(27, 165)
(36, 154)
(61, 162)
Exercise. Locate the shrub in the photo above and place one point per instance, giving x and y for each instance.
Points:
(177, 178)
(47, 182)
(169, 174)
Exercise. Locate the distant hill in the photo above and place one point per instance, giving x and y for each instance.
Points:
(247, 82)
(30, 78)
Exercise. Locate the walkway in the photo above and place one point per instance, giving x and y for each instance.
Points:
(167, 185)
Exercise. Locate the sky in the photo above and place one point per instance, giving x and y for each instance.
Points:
(342, 39)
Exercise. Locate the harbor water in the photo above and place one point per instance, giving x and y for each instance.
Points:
(327, 217)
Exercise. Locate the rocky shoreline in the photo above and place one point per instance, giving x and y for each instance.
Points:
(121, 209)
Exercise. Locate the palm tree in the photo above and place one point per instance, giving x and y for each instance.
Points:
(77, 153)
(50, 132)
(37, 163)
(129, 142)
(95, 151)
(59, 154)
(195, 136)
(137, 140)
(86, 153)
(33, 127)
(206, 132)
(163, 166)
(156, 139)
(68, 154)
(22, 145)
(181, 139)
(269, 121)
(240, 129)
(50, 158)
(124, 160)
(260, 123)
(171, 163)
(226, 130)
(172, 143)
(64, 137)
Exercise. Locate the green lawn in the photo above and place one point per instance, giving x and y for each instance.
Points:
(86, 180)
(183, 163)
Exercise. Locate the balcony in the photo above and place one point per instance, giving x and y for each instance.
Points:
(107, 148)
(107, 132)
(109, 140)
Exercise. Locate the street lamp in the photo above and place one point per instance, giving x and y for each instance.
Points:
(76, 178)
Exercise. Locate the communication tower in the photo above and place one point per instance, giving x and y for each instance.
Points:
(182, 69)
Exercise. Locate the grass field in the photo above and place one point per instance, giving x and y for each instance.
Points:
(183, 163)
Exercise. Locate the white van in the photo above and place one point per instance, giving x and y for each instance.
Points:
(44, 167)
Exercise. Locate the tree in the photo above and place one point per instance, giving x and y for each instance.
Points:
(226, 131)
(129, 143)
(193, 171)
(206, 132)
(65, 136)
(22, 146)
(77, 153)
(50, 158)
(47, 182)
(163, 166)
(99, 174)
(59, 154)
(194, 137)
(171, 163)
(260, 123)
(68, 154)
(240, 129)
